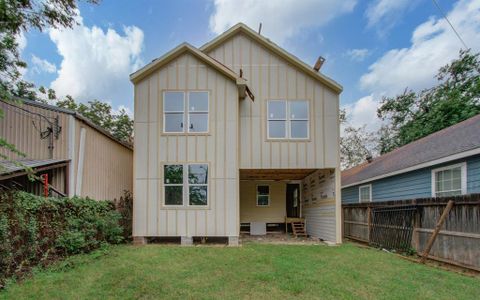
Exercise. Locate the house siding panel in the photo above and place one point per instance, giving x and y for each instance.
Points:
(415, 184)
(271, 77)
(218, 148)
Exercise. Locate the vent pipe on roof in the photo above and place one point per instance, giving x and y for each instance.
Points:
(260, 28)
(319, 63)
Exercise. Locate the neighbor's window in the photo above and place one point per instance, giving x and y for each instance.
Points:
(263, 195)
(185, 111)
(287, 119)
(449, 181)
(365, 193)
(194, 185)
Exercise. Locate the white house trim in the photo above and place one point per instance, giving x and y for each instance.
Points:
(81, 156)
(71, 156)
(463, 166)
(419, 166)
(359, 194)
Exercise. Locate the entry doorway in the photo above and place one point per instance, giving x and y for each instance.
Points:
(293, 200)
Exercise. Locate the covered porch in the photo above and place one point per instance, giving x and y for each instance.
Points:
(298, 201)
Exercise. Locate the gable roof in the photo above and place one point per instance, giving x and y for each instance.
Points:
(242, 28)
(176, 52)
(454, 142)
(77, 115)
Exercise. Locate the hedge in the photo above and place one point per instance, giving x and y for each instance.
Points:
(36, 230)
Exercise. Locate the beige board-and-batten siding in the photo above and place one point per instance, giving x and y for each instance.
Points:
(275, 212)
(271, 77)
(107, 165)
(319, 204)
(99, 166)
(218, 148)
(21, 125)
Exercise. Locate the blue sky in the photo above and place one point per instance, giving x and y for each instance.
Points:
(373, 48)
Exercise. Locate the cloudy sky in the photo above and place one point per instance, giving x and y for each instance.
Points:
(373, 48)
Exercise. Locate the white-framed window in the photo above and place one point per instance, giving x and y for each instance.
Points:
(185, 111)
(263, 195)
(449, 180)
(287, 119)
(186, 181)
(365, 193)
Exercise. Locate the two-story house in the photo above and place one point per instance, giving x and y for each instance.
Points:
(238, 131)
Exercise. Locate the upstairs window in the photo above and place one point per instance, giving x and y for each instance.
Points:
(365, 193)
(449, 181)
(263, 195)
(288, 119)
(185, 112)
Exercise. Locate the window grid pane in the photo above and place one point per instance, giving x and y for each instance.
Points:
(263, 195)
(198, 102)
(448, 182)
(365, 194)
(173, 102)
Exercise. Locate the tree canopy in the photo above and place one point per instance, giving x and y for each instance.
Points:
(413, 115)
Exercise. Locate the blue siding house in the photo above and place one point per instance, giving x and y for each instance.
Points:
(444, 163)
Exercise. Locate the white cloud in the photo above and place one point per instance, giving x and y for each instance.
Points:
(358, 54)
(433, 44)
(280, 19)
(386, 13)
(364, 112)
(96, 63)
(42, 65)
(22, 42)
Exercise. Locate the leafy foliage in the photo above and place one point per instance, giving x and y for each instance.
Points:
(356, 143)
(412, 115)
(17, 17)
(120, 125)
(35, 230)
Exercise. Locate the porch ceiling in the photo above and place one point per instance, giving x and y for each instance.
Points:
(274, 174)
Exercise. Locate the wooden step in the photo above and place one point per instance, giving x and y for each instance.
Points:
(298, 229)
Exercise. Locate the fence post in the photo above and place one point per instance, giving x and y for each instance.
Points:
(369, 221)
(437, 229)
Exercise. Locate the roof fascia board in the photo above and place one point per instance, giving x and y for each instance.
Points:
(419, 166)
(176, 52)
(336, 87)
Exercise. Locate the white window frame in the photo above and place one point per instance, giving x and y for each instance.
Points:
(256, 197)
(186, 112)
(463, 177)
(360, 193)
(288, 120)
(186, 186)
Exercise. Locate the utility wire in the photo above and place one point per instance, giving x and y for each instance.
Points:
(453, 28)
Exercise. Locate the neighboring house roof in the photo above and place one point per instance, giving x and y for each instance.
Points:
(176, 52)
(77, 116)
(240, 27)
(454, 142)
(10, 169)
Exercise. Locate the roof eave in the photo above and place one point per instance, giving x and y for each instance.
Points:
(240, 27)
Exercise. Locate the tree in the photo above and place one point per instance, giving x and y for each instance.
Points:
(356, 143)
(17, 17)
(120, 125)
(412, 115)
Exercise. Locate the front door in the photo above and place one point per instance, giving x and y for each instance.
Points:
(293, 200)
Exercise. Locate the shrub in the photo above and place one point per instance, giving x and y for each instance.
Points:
(36, 230)
(124, 206)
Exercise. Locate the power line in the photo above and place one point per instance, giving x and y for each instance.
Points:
(453, 28)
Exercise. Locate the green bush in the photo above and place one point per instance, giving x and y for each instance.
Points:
(36, 230)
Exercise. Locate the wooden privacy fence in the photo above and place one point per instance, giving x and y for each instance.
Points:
(408, 224)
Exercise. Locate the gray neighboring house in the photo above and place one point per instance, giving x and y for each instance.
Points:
(444, 163)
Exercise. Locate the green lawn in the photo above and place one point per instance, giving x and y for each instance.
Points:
(253, 271)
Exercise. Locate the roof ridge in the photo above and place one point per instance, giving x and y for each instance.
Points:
(411, 144)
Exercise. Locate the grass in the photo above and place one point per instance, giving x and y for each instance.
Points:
(253, 271)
